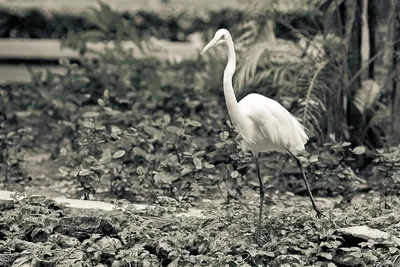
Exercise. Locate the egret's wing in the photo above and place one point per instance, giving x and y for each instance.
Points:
(266, 122)
(275, 123)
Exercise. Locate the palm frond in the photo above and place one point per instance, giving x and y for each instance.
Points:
(248, 65)
(303, 74)
(366, 95)
(312, 86)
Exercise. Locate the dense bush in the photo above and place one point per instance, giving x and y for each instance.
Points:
(35, 23)
(145, 128)
(148, 127)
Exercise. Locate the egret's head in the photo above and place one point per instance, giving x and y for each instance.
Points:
(220, 37)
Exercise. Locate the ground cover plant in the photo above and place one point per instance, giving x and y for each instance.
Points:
(36, 231)
(133, 130)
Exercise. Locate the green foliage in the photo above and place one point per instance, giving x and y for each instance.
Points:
(388, 162)
(11, 155)
(109, 24)
(330, 167)
(94, 104)
(373, 113)
(145, 128)
(48, 233)
(367, 95)
(174, 26)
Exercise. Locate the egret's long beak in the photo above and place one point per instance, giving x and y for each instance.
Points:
(211, 44)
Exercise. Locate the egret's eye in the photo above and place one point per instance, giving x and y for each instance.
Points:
(223, 37)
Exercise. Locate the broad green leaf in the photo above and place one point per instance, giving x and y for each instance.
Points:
(185, 170)
(234, 156)
(64, 171)
(344, 144)
(180, 132)
(119, 154)
(139, 151)
(88, 124)
(172, 158)
(313, 158)
(63, 152)
(194, 123)
(112, 112)
(199, 153)
(101, 102)
(220, 145)
(116, 130)
(325, 255)
(100, 127)
(224, 135)
(340, 175)
(106, 157)
(10, 134)
(359, 150)
(172, 129)
(197, 162)
(84, 172)
(140, 170)
(162, 177)
(208, 165)
(234, 174)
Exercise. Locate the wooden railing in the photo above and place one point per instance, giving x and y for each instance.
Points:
(17, 54)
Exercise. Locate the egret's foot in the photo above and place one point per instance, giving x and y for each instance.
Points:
(319, 214)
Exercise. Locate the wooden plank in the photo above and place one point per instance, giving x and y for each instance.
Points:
(20, 74)
(49, 49)
(122, 5)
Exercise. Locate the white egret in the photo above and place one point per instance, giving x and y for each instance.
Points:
(264, 124)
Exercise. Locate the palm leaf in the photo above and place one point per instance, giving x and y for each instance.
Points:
(312, 86)
(366, 95)
(248, 65)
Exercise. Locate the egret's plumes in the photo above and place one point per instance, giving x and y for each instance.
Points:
(264, 124)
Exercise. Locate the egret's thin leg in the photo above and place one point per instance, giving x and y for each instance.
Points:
(262, 193)
(319, 213)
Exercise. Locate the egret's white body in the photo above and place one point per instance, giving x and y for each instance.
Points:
(267, 126)
(264, 124)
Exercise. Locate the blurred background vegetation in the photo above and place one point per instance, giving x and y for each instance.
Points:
(138, 128)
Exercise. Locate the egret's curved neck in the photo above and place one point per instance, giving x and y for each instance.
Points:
(230, 97)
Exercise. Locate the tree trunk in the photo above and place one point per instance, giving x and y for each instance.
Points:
(384, 70)
(396, 89)
(365, 40)
(351, 60)
(384, 40)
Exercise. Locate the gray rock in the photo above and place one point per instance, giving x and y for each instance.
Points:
(365, 233)
(81, 227)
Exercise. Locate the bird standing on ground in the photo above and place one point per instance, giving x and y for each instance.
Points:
(264, 124)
